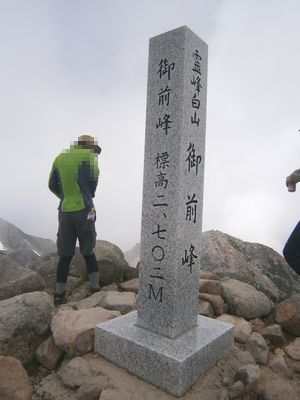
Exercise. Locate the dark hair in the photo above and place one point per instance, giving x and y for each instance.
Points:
(88, 145)
(97, 149)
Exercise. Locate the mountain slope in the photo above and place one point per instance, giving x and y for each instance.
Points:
(20, 246)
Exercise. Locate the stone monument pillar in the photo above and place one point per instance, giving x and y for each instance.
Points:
(173, 183)
(165, 342)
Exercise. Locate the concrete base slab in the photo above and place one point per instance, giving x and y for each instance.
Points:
(171, 364)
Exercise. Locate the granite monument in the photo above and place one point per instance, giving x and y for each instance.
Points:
(165, 341)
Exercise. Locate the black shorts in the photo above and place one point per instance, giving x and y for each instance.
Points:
(73, 226)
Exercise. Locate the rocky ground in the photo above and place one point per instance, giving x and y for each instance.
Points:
(47, 353)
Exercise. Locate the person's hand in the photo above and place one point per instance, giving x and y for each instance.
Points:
(91, 216)
(289, 181)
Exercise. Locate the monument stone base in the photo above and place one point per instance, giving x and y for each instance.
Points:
(171, 364)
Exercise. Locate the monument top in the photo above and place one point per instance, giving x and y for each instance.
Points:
(182, 28)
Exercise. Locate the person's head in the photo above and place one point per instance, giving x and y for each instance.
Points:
(89, 142)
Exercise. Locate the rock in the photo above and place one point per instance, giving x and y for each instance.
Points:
(248, 374)
(46, 266)
(14, 381)
(111, 300)
(215, 301)
(74, 330)
(48, 354)
(52, 388)
(273, 335)
(257, 325)
(130, 286)
(293, 349)
(24, 323)
(237, 390)
(258, 348)
(222, 395)
(243, 356)
(287, 314)
(78, 373)
(277, 364)
(208, 275)
(271, 386)
(74, 372)
(209, 286)
(204, 308)
(15, 280)
(110, 394)
(242, 328)
(244, 300)
(253, 263)
(293, 365)
(112, 265)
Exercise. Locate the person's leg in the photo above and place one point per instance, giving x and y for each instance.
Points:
(86, 233)
(62, 273)
(291, 251)
(92, 268)
(66, 241)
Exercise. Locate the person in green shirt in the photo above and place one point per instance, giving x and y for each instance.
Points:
(73, 179)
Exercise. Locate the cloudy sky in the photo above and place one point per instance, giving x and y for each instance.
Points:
(70, 67)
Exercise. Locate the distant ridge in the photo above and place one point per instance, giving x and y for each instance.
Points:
(20, 246)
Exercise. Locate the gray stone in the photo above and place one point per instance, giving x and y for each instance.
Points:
(24, 322)
(14, 381)
(130, 286)
(287, 314)
(216, 302)
(110, 300)
(209, 286)
(74, 330)
(248, 374)
(242, 328)
(277, 364)
(293, 349)
(48, 354)
(258, 348)
(205, 309)
(112, 265)
(273, 335)
(15, 280)
(244, 300)
(271, 386)
(52, 388)
(173, 187)
(237, 390)
(172, 364)
(251, 263)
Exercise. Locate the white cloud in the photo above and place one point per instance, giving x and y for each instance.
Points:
(73, 67)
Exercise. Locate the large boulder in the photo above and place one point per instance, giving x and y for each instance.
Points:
(287, 314)
(112, 265)
(15, 280)
(14, 381)
(244, 300)
(74, 330)
(24, 322)
(252, 263)
(111, 300)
